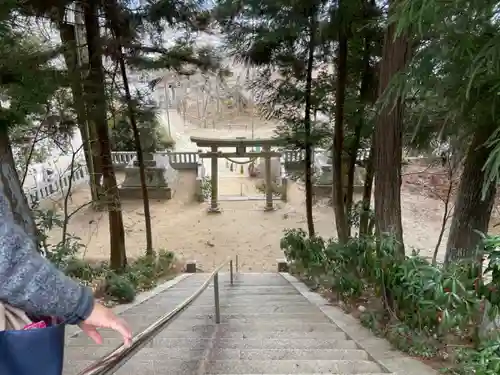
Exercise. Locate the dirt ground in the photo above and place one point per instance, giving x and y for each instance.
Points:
(184, 227)
(242, 228)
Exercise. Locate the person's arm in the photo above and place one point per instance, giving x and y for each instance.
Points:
(30, 282)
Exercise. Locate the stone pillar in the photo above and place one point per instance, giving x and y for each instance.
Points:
(191, 267)
(214, 206)
(282, 265)
(284, 187)
(148, 146)
(269, 183)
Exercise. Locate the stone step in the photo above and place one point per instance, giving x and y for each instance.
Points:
(227, 332)
(72, 367)
(273, 335)
(246, 300)
(110, 342)
(227, 314)
(254, 310)
(236, 288)
(251, 354)
(181, 325)
(253, 279)
(282, 317)
(267, 327)
(238, 282)
(181, 367)
(257, 291)
(270, 306)
(197, 329)
(283, 343)
(292, 367)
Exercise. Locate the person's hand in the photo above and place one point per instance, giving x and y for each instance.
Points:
(102, 317)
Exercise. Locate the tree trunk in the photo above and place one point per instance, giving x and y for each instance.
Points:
(364, 90)
(83, 60)
(364, 220)
(111, 11)
(338, 140)
(353, 153)
(68, 38)
(307, 124)
(472, 213)
(96, 98)
(11, 189)
(389, 141)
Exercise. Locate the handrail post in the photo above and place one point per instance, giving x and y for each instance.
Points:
(231, 270)
(216, 296)
(236, 263)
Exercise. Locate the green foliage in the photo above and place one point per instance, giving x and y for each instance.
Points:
(63, 252)
(298, 246)
(141, 274)
(83, 270)
(484, 361)
(120, 287)
(122, 137)
(356, 213)
(180, 54)
(428, 302)
(29, 83)
(145, 271)
(206, 187)
(415, 343)
(273, 37)
(452, 81)
(164, 262)
(277, 190)
(34, 100)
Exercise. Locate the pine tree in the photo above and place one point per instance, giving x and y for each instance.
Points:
(275, 39)
(27, 86)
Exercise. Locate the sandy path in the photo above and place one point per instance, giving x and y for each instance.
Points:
(242, 228)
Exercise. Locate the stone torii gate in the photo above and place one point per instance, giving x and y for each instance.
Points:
(240, 144)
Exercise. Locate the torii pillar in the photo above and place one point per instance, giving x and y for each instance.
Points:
(214, 204)
(269, 183)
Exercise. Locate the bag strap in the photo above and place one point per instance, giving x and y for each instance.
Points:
(12, 318)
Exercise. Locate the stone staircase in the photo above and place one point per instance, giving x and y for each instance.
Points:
(267, 327)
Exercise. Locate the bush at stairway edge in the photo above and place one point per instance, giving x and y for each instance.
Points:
(424, 305)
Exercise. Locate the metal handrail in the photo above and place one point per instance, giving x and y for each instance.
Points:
(114, 360)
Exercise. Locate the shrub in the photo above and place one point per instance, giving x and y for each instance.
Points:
(165, 262)
(276, 189)
(206, 187)
(82, 270)
(422, 300)
(483, 361)
(140, 275)
(120, 288)
(145, 271)
(62, 252)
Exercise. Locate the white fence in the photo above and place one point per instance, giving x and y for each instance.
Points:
(58, 186)
(177, 159)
